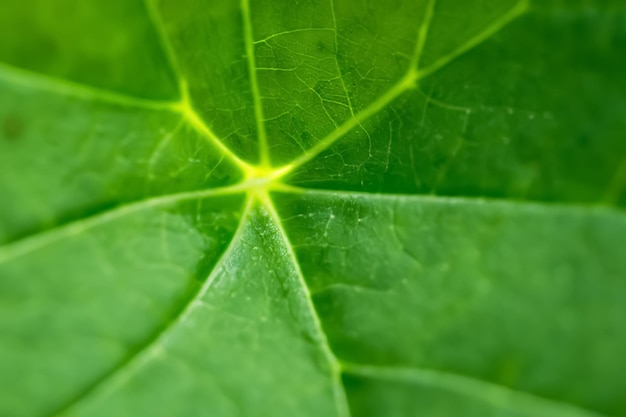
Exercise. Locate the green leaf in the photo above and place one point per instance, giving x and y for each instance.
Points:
(313, 208)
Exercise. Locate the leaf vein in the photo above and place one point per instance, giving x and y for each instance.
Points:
(254, 83)
(489, 392)
(338, 388)
(38, 240)
(66, 87)
(520, 8)
(150, 350)
(408, 81)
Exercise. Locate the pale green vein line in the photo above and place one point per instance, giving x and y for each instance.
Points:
(338, 388)
(289, 32)
(40, 240)
(154, 347)
(406, 83)
(168, 49)
(442, 104)
(158, 150)
(497, 25)
(339, 72)
(490, 393)
(423, 34)
(597, 208)
(69, 88)
(254, 84)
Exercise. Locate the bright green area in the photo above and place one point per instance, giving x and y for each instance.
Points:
(316, 208)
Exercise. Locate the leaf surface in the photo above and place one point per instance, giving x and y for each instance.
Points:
(319, 208)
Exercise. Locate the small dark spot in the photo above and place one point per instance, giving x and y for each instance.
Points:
(12, 127)
(320, 46)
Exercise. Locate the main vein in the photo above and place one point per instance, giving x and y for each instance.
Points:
(341, 401)
(254, 84)
(488, 392)
(124, 371)
(37, 241)
(422, 34)
(460, 199)
(69, 88)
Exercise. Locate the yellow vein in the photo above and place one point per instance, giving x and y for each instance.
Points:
(194, 119)
(66, 87)
(338, 389)
(422, 34)
(40, 240)
(185, 106)
(153, 348)
(406, 83)
(490, 393)
(254, 84)
(497, 25)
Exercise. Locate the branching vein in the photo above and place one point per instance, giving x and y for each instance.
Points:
(497, 25)
(400, 87)
(187, 110)
(410, 79)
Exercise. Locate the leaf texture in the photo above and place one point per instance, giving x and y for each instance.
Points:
(313, 208)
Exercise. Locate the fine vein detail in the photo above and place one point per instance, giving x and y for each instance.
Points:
(185, 107)
(410, 79)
